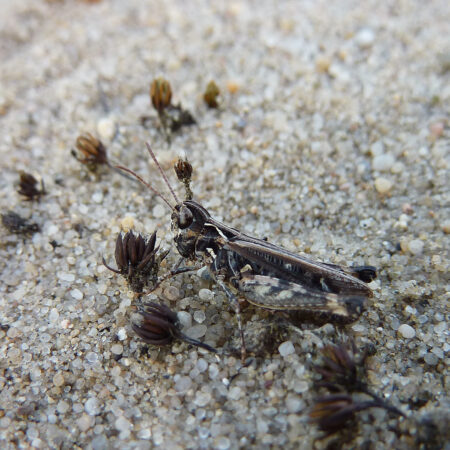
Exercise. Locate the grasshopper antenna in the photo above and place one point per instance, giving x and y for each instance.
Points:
(162, 172)
(135, 175)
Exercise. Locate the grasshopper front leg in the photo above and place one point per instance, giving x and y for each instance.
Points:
(175, 270)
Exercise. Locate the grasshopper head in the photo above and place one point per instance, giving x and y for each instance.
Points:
(182, 217)
(188, 220)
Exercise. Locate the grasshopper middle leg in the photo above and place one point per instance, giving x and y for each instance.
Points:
(237, 309)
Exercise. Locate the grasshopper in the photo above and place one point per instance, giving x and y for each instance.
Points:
(266, 275)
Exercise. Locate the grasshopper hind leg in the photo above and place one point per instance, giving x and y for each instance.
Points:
(280, 295)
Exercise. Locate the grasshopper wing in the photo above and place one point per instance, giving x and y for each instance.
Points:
(288, 266)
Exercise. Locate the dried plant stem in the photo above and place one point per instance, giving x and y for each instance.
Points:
(192, 341)
(163, 119)
(380, 403)
(112, 165)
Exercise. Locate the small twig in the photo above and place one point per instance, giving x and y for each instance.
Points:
(382, 403)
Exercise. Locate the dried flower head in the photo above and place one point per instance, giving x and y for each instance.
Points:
(158, 325)
(92, 150)
(343, 372)
(211, 94)
(28, 186)
(172, 117)
(160, 94)
(17, 224)
(332, 412)
(137, 259)
(342, 368)
(183, 169)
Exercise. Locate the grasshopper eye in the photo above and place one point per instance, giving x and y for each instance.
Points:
(185, 218)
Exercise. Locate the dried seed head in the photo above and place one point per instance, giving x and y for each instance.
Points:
(28, 186)
(137, 259)
(342, 368)
(172, 117)
(211, 94)
(92, 150)
(160, 94)
(332, 412)
(343, 372)
(157, 324)
(183, 169)
(17, 224)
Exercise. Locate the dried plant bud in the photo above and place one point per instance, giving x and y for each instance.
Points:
(172, 117)
(211, 94)
(160, 94)
(92, 150)
(342, 368)
(343, 372)
(28, 186)
(332, 412)
(17, 224)
(137, 260)
(183, 169)
(158, 325)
